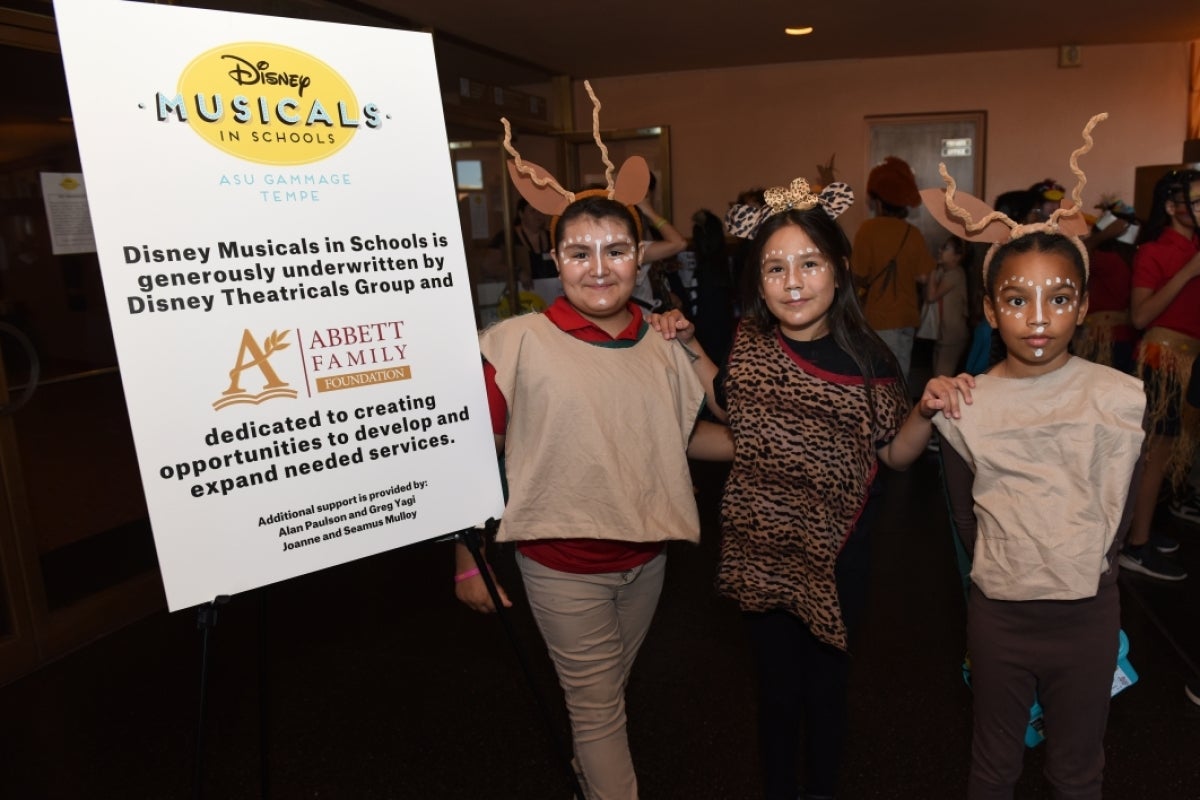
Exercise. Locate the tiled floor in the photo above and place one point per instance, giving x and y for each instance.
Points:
(370, 681)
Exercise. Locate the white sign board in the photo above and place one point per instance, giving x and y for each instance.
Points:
(278, 234)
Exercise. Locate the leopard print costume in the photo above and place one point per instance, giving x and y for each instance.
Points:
(803, 462)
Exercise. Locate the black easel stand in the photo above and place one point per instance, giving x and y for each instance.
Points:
(206, 618)
(470, 538)
(264, 699)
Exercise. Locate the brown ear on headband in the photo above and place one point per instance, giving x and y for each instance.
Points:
(544, 198)
(1074, 225)
(935, 204)
(630, 188)
(633, 181)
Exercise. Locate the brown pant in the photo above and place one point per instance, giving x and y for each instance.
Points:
(1065, 651)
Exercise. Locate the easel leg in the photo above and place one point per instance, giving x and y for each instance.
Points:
(206, 619)
(470, 538)
(264, 699)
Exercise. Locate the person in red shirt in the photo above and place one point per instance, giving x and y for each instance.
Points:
(1163, 305)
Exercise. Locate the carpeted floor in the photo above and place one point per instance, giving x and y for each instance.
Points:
(370, 681)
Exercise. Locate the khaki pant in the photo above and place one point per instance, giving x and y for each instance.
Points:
(593, 626)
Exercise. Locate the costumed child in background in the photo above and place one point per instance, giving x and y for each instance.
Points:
(947, 286)
(1164, 306)
(595, 417)
(815, 400)
(1039, 470)
(1107, 336)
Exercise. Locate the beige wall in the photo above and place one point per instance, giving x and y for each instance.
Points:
(735, 128)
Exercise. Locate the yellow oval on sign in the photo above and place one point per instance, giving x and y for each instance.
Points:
(269, 104)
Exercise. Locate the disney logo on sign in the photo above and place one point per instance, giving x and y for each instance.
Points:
(246, 73)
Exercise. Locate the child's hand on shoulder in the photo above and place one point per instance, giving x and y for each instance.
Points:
(946, 394)
(673, 325)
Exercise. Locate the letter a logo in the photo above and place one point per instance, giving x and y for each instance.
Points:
(252, 357)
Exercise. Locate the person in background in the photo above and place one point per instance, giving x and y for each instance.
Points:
(1163, 306)
(531, 249)
(947, 286)
(1047, 198)
(1107, 335)
(651, 290)
(891, 259)
(714, 285)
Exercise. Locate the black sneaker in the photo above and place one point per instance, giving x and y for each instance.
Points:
(1163, 543)
(1187, 508)
(1148, 561)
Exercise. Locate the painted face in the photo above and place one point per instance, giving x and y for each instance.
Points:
(797, 283)
(1036, 305)
(597, 261)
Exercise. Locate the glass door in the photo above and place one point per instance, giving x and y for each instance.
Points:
(488, 212)
(77, 557)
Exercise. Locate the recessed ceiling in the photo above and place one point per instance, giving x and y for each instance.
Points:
(623, 37)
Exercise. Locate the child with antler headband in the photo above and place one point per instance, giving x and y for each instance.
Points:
(815, 400)
(595, 415)
(1039, 470)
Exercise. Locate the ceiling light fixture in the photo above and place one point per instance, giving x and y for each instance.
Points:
(798, 31)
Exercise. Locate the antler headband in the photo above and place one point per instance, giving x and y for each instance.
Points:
(744, 220)
(547, 195)
(957, 211)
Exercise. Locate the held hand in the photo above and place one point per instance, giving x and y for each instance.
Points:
(946, 394)
(673, 324)
(473, 593)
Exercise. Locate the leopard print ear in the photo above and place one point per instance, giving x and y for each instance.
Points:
(836, 198)
(633, 181)
(743, 220)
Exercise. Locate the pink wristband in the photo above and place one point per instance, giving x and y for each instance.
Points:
(462, 576)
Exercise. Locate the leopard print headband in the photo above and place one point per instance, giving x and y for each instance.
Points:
(744, 221)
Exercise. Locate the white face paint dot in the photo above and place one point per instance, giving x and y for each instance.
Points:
(1039, 352)
(795, 294)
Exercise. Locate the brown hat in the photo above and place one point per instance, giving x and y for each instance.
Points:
(893, 183)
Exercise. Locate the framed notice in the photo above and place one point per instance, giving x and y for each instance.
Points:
(277, 229)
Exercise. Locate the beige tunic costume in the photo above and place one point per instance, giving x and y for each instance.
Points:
(574, 473)
(1053, 457)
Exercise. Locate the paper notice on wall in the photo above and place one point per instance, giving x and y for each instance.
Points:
(67, 216)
